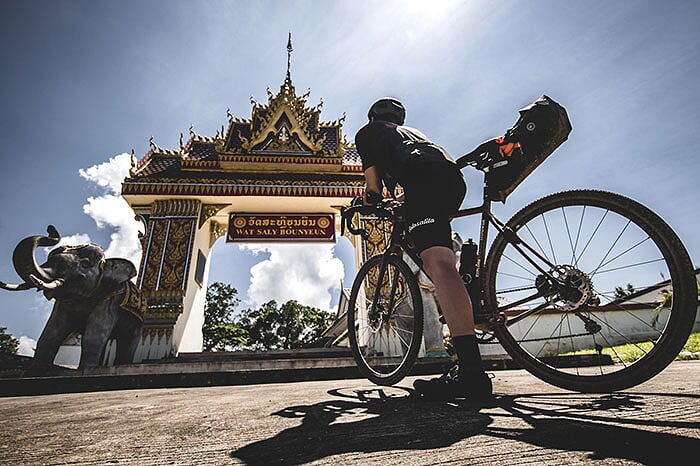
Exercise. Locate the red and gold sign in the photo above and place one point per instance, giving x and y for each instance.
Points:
(280, 227)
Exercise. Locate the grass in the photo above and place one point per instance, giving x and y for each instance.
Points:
(630, 353)
(692, 347)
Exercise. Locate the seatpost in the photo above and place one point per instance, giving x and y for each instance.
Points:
(483, 232)
(485, 210)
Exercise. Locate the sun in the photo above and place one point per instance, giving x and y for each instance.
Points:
(431, 11)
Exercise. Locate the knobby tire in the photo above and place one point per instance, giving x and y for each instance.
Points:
(554, 225)
(386, 352)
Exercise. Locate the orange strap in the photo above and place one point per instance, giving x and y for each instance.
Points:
(506, 149)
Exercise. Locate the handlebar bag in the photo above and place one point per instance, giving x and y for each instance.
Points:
(542, 127)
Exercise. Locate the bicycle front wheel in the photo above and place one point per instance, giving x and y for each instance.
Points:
(604, 300)
(385, 319)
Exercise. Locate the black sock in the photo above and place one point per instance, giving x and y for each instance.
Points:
(467, 349)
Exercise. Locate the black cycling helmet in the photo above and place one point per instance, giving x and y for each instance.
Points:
(388, 109)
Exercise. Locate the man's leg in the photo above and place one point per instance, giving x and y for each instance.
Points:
(471, 380)
(440, 265)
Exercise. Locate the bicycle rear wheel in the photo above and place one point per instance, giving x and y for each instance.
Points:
(385, 320)
(612, 302)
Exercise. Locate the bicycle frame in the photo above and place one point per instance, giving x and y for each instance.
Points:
(398, 243)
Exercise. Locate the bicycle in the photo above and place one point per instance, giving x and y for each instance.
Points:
(568, 280)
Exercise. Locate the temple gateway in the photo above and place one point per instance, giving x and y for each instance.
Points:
(282, 173)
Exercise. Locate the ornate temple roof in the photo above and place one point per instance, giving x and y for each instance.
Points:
(284, 142)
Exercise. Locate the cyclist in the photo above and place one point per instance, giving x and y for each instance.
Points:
(433, 188)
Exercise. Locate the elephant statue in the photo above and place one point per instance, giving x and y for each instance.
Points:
(93, 296)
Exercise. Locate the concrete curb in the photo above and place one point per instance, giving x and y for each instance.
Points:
(214, 369)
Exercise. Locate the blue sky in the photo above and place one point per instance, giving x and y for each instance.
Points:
(85, 81)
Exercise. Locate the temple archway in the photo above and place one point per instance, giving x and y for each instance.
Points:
(279, 175)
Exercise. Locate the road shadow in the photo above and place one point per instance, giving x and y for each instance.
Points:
(604, 426)
(389, 418)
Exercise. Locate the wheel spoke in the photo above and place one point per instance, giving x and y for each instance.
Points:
(568, 234)
(612, 246)
(628, 250)
(591, 237)
(534, 238)
(578, 236)
(549, 239)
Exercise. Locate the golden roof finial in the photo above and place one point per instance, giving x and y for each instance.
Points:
(289, 57)
(132, 169)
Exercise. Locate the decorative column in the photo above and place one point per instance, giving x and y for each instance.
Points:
(163, 275)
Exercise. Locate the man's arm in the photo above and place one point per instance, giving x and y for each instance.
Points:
(373, 185)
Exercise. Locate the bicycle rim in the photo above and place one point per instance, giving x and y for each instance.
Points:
(628, 302)
(385, 338)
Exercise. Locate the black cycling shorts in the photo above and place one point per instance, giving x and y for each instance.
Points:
(429, 203)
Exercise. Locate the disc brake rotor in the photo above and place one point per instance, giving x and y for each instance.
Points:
(576, 289)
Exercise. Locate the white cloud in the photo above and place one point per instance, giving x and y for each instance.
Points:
(75, 239)
(114, 212)
(303, 272)
(109, 174)
(111, 210)
(26, 346)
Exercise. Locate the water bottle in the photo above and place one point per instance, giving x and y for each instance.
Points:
(467, 261)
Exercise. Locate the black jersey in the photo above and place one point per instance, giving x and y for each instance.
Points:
(433, 184)
(399, 152)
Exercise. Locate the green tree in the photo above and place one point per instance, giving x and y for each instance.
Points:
(290, 326)
(225, 337)
(220, 330)
(8, 344)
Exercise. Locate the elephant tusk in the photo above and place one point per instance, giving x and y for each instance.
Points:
(20, 287)
(46, 286)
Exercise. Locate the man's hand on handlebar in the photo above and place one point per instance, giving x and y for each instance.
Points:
(384, 209)
(372, 197)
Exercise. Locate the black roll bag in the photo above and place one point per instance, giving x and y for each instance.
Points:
(542, 127)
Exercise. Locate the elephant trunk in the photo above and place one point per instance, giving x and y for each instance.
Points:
(24, 260)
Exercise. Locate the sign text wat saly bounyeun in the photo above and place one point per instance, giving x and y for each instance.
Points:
(294, 228)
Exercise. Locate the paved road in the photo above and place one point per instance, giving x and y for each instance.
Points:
(350, 422)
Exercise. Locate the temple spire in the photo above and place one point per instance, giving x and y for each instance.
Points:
(289, 57)
(287, 86)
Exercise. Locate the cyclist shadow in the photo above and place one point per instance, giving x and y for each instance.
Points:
(369, 421)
